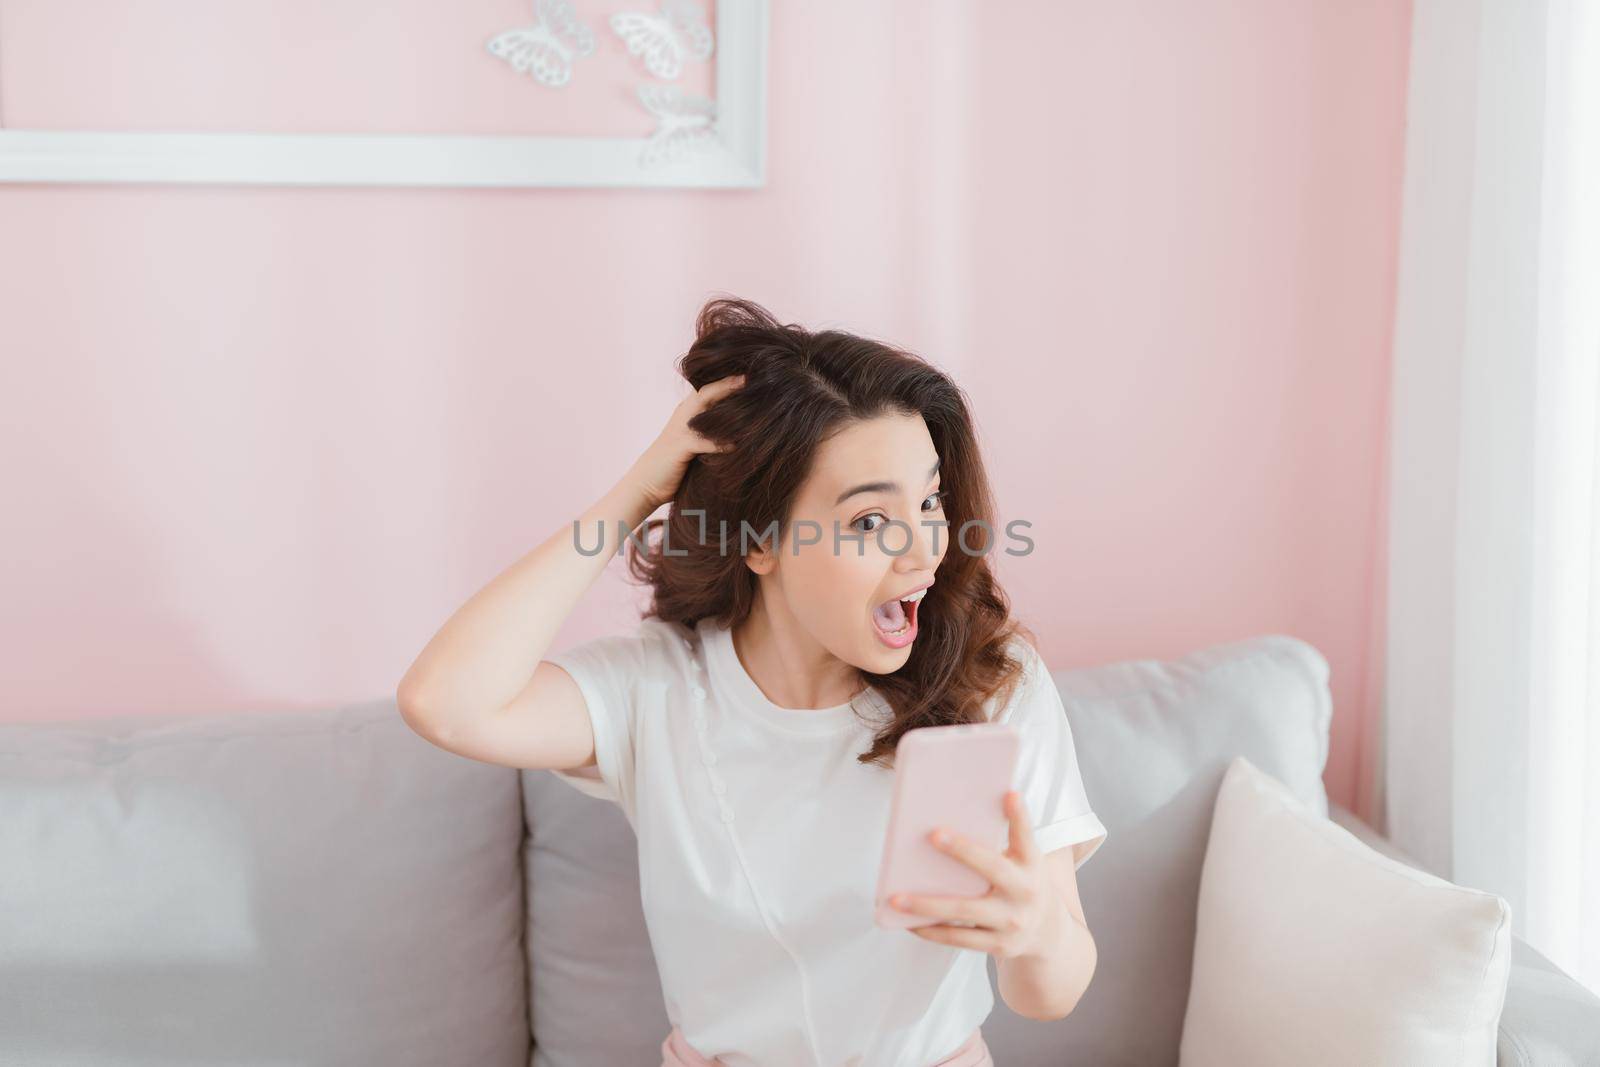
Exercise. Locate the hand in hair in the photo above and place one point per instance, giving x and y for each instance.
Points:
(659, 470)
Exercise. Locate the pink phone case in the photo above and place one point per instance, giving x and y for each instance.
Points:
(950, 776)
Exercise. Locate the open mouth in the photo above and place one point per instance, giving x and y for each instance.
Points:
(897, 619)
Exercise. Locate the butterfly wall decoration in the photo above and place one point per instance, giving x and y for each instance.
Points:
(667, 37)
(547, 48)
(687, 124)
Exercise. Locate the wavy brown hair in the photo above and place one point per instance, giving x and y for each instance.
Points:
(800, 389)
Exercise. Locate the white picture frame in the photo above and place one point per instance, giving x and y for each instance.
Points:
(735, 159)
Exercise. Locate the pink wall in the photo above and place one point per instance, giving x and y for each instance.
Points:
(261, 442)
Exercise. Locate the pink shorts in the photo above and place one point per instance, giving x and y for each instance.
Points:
(677, 1052)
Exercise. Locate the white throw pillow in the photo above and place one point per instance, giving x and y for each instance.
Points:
(1312, 948)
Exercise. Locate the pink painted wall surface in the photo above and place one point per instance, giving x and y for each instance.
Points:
(259, 443)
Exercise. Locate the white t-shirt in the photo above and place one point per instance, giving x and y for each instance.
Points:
(760, 837)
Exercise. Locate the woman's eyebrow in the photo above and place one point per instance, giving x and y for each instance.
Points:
(881, 487)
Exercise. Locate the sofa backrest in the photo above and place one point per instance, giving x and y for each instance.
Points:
(327, 887)
(318, 887)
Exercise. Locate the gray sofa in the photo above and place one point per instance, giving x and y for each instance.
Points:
(326, 888)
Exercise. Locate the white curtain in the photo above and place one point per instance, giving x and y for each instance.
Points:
(1491, 755)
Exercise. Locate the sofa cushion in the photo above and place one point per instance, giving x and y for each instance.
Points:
(1313, 948)
(1154, 739)
(595, 993)
(304, 887)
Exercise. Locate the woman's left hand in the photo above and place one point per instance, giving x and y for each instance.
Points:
(1019, 916)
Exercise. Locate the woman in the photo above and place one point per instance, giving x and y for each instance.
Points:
(812, 602)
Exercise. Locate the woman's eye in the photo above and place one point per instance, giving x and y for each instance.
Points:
(938, 504)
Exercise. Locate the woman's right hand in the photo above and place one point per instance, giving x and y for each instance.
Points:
(660, 469)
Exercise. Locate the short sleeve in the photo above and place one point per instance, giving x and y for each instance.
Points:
(611, 672)
(1047, 766)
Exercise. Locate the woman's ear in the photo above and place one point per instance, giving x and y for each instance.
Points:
(760, 559)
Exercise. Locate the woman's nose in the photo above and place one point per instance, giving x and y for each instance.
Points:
(925, 546)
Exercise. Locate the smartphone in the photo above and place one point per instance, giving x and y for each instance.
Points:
(950, 776)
